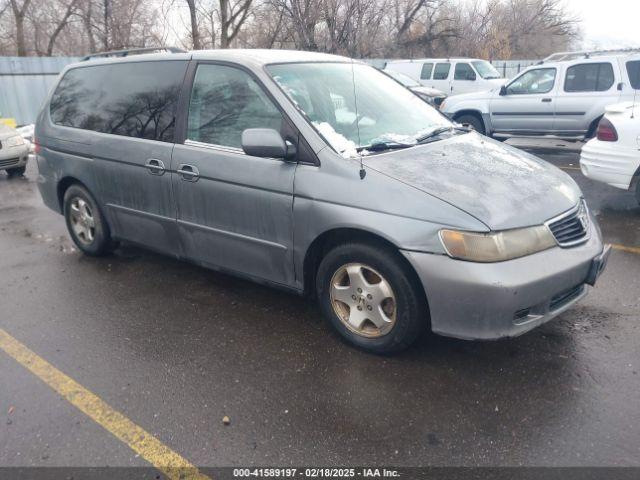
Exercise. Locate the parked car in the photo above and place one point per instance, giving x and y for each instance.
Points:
(27, 131)
(14, 152)
(564, 98)
(613, 156)
(450, 75)
(430, 95)
(318, 175)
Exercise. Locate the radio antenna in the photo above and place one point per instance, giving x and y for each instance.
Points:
(363, 172)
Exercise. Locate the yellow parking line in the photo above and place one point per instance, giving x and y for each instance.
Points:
(138, 439)
(624, 248)
(570, 168)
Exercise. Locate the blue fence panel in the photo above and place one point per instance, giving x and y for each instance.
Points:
(25, 82)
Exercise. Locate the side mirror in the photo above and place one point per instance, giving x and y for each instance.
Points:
(503, 90)
(266, 143)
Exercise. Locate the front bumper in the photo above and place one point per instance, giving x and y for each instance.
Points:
(493, 300)
(13, 157)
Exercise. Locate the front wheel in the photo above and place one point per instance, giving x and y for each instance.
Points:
(86, 224)
(16, 172)
(370, 297)
(473, 121)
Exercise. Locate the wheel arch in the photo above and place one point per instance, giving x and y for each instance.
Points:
(338, 236)
(476, 113)
(63, 186)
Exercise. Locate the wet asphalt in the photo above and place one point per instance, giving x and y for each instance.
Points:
(176, 347)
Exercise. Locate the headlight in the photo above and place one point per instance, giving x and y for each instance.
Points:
(13, 141)
(496, 246)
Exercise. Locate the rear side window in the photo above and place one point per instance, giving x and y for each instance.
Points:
(589, 77)
(633, 70)
(463, 71)
(425, 73)
(441, 71)
(224, 102)
(128, 99)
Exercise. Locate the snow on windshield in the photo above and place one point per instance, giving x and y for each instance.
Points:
(342, 145)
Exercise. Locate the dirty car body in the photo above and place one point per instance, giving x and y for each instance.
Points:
(215, 198)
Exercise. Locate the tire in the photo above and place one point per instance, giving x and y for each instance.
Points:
(17, 171)
(374, 268)
(86, 224)
(638, 192)
(473, 121)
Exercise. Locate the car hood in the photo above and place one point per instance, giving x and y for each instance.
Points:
(7, 132)
(497, 82)
(431, 92)
(501, 186)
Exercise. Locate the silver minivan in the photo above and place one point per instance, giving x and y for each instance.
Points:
(322, 176)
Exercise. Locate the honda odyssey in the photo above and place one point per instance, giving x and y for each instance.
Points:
(319, 175)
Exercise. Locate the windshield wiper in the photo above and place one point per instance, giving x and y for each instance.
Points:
(379, 146)
(439, 131)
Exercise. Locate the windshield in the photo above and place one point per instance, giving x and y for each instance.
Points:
(486, 70)
(386, 111)
(406, 80)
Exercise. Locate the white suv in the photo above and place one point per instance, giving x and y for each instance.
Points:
(452, 76)
(564, 95)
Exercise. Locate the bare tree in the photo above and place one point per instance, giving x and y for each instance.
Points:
(195, 33)
(19, 14)
(357, 28)
(232, 17)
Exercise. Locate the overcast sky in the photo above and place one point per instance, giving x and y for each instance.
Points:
(608, 23)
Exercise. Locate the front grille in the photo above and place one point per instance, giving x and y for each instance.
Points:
(8, 162)
(571, 228)
(565, 297)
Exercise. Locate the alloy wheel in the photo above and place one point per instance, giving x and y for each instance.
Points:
(363, 300)
(82, 220)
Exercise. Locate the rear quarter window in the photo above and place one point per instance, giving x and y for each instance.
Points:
(633, 70)
(129, 99)
(589, 77)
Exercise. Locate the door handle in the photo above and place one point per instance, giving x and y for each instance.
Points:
(188, 172)
(546, 100)
(155, 166)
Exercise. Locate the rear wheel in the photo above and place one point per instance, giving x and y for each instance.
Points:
(370, 298)
(638, 192)
(86, 224)
(473, 121)
(16, 172)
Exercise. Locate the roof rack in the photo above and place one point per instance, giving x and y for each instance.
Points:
(563, 56)
(133, 51)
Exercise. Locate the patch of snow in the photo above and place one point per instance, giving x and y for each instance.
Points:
(340, 143)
